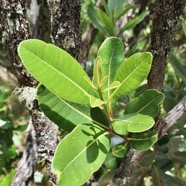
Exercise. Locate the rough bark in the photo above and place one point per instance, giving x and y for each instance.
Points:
(27, 164)
(164, 26)
(163, 30)
(172, 117)
(15, 28)
(65, 25)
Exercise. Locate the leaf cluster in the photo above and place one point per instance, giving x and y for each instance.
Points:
(85, 106)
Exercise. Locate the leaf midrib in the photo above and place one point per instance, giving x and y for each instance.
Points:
(60, 73)
(142, 139)
(73, 108)
(147, 104)
(104, 134)
(109, 72)
(129, 76)
(133, 122)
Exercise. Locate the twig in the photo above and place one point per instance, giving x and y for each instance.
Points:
(172, 117)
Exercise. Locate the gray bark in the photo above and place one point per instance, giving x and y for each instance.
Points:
(65, 25)
(15, 28)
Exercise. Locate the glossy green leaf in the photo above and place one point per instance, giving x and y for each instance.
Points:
(79, 154)
(120, 127)
(90, 82)
(112, 55)
(133, 22)
(132, 73)
(139, 123)
(133, 123)
(113, 85)
(143, 141)
(177, 66)
(120, 150)
(94, 102)
(66, 114)
(146, 103)
(97, 73)
(56, 69)
(106, 21)
(93, 16)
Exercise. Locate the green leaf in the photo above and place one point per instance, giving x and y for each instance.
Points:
(56, 69)
(169, 103)
(139, 123)
(144, 141)
(65, 114)
(94, 102)
(7, 180)
(120, 150)
(120, 127)
(106, 21)
(146, 103)
(116, 8)
(133, 123)
(113, 85)
(110, 161)
(104, 3)
(132, 73)
(177, 66)
(97, 73)
(112, 55)
(123, 11)
(93, 16)
(79, 154)
(2, 96)
(90, 82)
(133, 22)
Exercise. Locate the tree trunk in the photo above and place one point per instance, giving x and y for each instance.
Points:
(65, 31)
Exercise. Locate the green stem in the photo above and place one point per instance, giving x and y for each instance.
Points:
(106, 106)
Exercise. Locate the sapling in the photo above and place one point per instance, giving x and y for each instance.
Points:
(84, 106)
